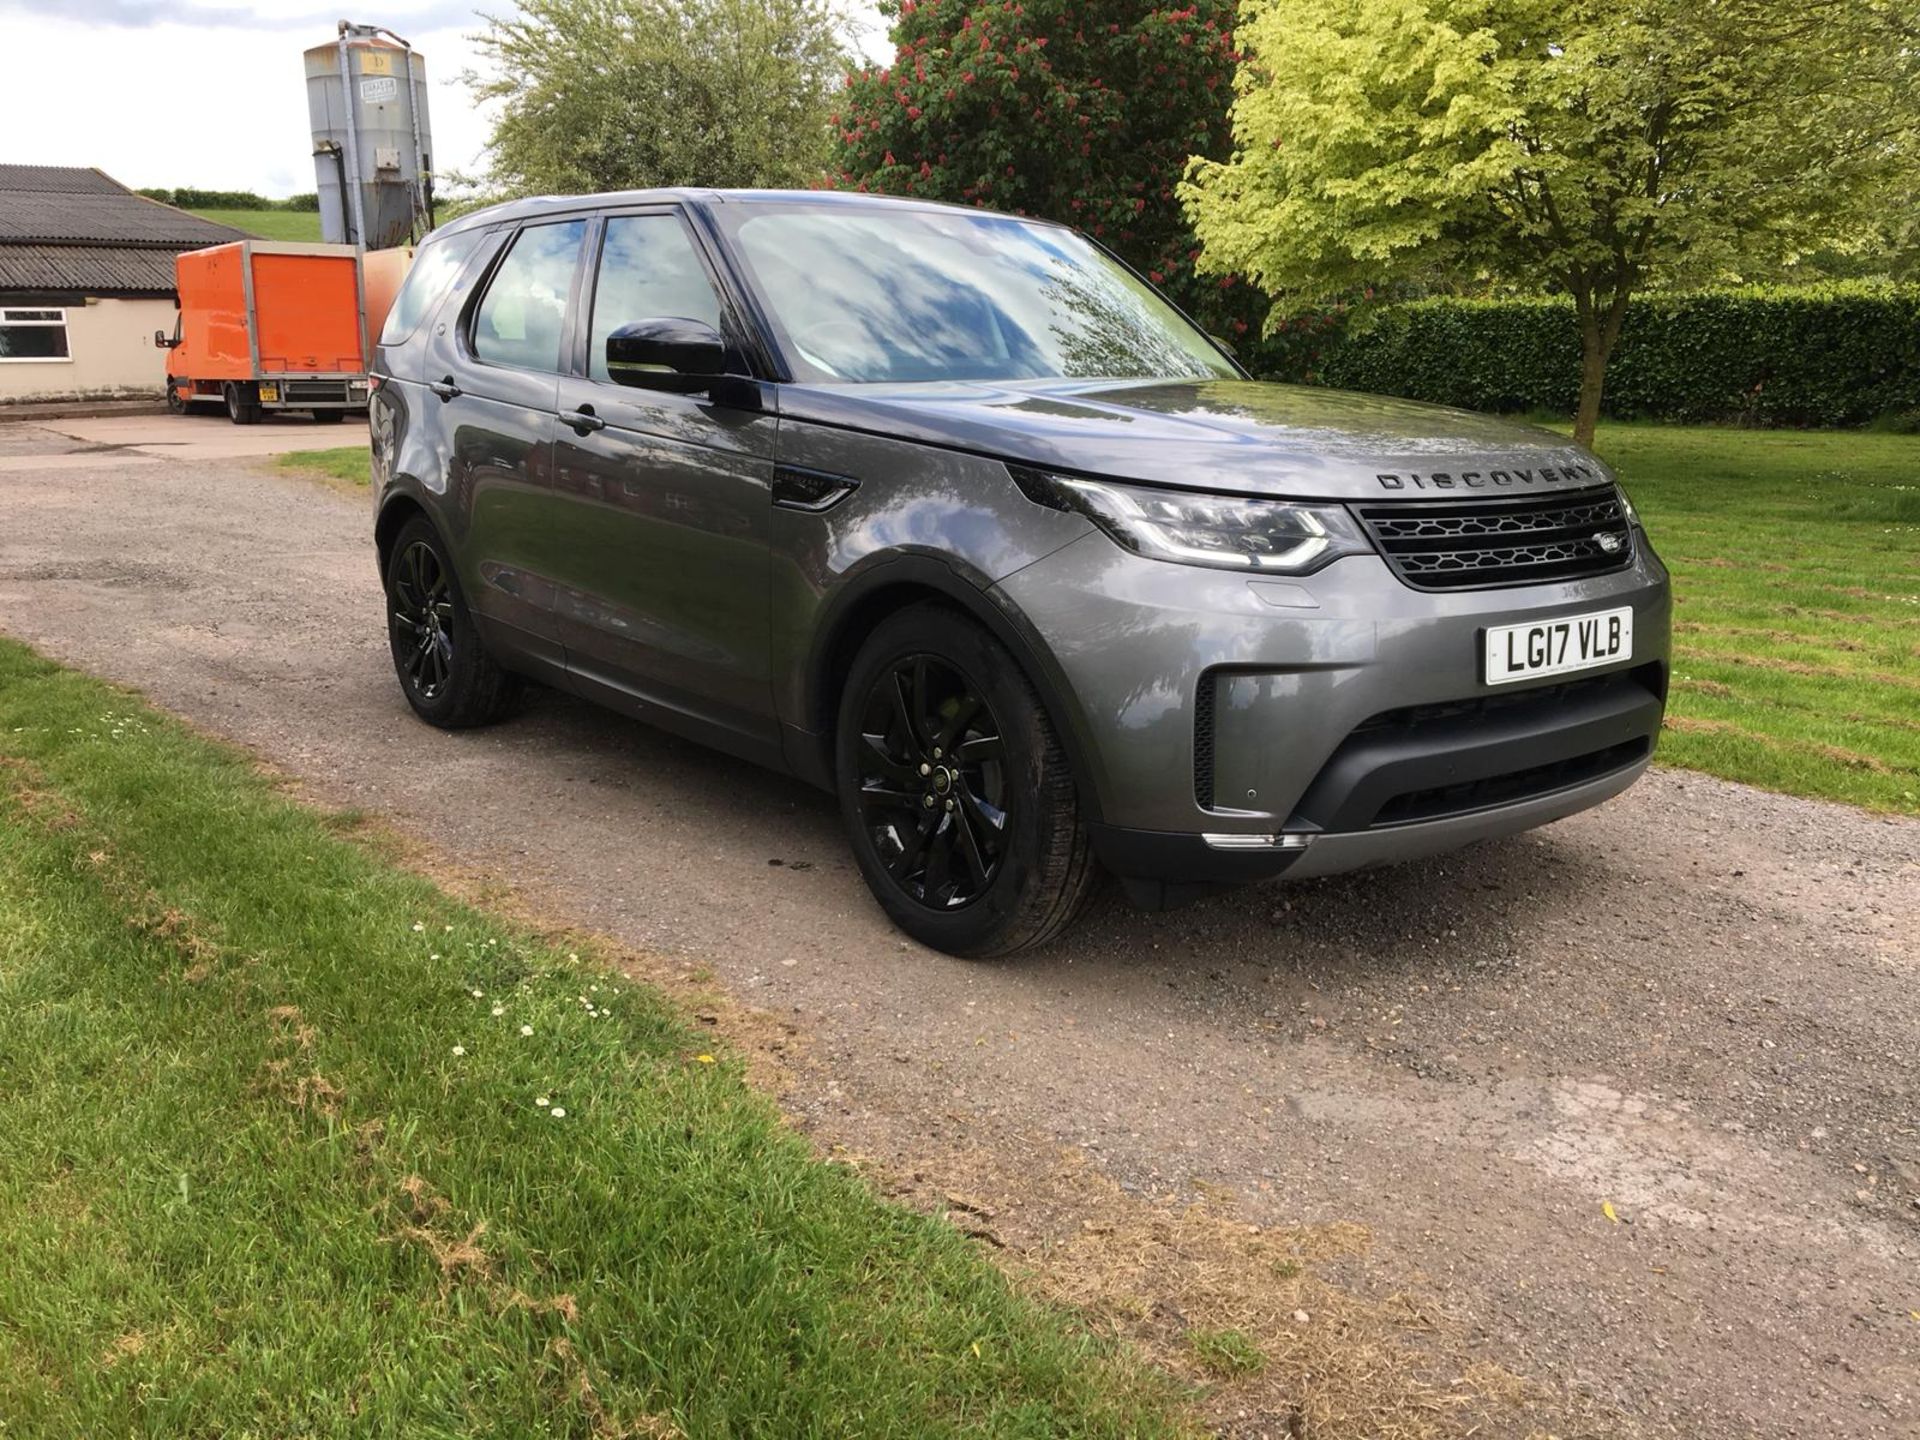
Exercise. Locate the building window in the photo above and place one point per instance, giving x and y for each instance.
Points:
(29, 335)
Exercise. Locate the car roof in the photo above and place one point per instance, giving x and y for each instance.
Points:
(557, 205)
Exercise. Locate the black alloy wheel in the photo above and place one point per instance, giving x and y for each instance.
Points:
(934, 787)
(449, 677)
(959, 802)
(422, 620)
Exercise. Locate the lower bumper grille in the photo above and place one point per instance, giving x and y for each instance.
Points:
(1429, 762)
(1473, 544)
(1516, 785)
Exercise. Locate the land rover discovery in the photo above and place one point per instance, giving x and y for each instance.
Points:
(952, 514)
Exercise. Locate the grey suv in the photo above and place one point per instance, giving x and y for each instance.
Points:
(954, 515)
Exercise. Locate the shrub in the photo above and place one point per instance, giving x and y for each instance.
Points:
(1843, 354)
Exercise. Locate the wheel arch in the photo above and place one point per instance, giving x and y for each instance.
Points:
(395, 511)
(858, 610)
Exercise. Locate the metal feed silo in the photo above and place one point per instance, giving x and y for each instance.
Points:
(372, 145)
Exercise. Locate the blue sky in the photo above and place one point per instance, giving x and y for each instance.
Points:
(211, 94)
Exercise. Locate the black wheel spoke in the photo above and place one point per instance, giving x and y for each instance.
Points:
(938, 879)
(991, 820)
(978, 749)
(876, 760)
(964, 712)
(969, 846)
(921, 710)
(932, 790)
(911, 849)
(902, 712)
(877, 793)
(423, 620)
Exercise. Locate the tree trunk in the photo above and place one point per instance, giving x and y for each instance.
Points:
(1593, 379)
(1599, 333)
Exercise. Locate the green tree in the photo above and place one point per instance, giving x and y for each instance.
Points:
(1591, 147)
(1065, 109)
(616, 94)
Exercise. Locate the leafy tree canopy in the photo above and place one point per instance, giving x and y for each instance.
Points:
(618, 94)
(1070, 110)
(1590, 147)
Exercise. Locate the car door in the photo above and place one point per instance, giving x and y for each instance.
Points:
(664, 500)
(495, 375)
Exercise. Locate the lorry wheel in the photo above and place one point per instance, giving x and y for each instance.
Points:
(243, 406)
(329, 417)
(176, 399)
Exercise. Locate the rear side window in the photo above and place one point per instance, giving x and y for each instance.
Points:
(433, 270)
(649, 270)
(524, 311)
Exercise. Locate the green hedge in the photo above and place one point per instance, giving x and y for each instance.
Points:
(1833, 355)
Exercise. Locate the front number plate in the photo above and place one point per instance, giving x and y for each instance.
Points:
(1554, 647)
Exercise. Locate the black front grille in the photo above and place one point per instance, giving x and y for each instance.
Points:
(1525, 540)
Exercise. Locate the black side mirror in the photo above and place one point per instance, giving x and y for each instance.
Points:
(682, 357)
(164, 340)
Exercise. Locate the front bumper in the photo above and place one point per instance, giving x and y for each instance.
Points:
(1235, 729)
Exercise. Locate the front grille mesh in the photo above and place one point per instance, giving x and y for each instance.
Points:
(1467, 544)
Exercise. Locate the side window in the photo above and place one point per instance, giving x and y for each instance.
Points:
(434, 267)
(649, 270)
(525, 308)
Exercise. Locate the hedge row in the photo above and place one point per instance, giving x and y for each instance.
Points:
(190, 199)
(1835, 355)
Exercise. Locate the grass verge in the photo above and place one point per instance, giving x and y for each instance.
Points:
(350, 463)
(1796, 564)
(269, 224)
(291, 1143)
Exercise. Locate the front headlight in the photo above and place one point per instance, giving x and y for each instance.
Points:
(1227, 532)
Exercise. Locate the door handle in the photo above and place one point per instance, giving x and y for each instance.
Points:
(445, 389)
(583, 420)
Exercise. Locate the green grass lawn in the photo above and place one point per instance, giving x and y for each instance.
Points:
(349, 462)
(269, 224)
(1796, 564)
(291, 1144)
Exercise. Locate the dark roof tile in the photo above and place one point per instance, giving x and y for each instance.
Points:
(49, 204)
(85, 269)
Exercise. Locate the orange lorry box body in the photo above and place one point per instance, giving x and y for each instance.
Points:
(304, 319)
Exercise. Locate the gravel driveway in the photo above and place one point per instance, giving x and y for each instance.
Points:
(1699, 1005)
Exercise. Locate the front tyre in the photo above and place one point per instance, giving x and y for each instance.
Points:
(448, 676)
(957, 797)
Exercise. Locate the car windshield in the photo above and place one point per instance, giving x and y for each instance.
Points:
(884, 294)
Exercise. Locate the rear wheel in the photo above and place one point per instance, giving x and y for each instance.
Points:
(243, 402)
(329, 417)
(448, 676)
(956, 794)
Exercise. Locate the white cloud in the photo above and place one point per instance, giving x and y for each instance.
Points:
(213, 95)
(220, 104)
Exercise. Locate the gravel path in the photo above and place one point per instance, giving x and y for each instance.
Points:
(1699, 1005)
